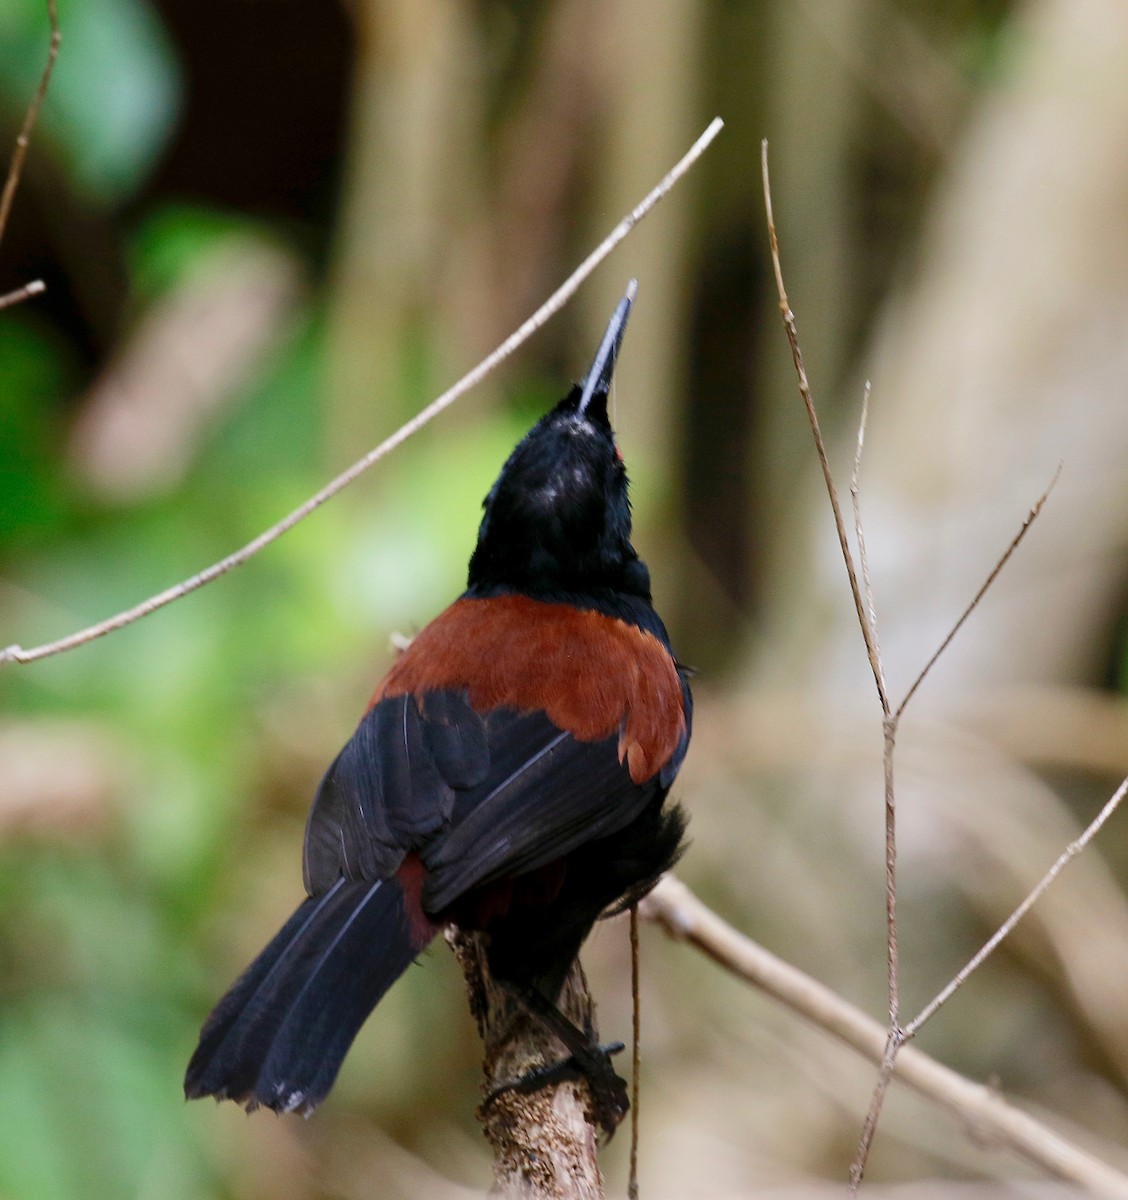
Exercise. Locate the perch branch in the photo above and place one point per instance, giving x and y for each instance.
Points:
(544, 1144)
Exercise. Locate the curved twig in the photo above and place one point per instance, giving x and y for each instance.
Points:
(548, 309)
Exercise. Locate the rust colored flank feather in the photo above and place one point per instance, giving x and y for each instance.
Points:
(592, 674)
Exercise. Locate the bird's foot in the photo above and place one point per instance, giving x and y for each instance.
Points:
(607, 1089)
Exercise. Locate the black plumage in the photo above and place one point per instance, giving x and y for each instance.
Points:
(510, 775)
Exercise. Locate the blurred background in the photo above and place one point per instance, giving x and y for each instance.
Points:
(273, 229)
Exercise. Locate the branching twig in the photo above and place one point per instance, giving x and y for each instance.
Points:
(895, 1038)
(1031, 517)
(550, 307)
(23, 140)
(813, 418)
(896, 1034)
(1070, 852)
(684, 917)
(873, 651)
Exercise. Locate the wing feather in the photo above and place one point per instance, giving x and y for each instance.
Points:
(546, 794)
(477, 795)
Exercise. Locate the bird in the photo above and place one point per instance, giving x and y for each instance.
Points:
(510, 776)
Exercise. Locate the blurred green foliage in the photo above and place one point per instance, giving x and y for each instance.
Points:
(34, 370)
(115, 92)
(101, 985)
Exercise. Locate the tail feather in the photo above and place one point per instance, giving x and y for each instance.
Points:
(280, 1034)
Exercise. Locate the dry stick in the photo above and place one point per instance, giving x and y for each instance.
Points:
(895, 1035)
(35, 288)
(812, 417)
(894, 1041)
(892, 954)
(1070, 852)
(550, 307)
(994, 1122)
(1031, 517)
(868, 632)
(23, 140)
(898, 1034)
(859, 530)
(636, 1053)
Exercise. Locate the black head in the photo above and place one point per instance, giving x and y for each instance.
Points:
(557, 522)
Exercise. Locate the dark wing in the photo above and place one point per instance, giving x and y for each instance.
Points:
(545, 794)
(392, 787)
(510, 732)
(477, 796)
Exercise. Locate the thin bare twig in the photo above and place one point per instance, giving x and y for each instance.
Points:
(23, 140)
(896, 1035)
(899, 1034)
(636, 1053)
(812, 417)
(859, 530)
(35, 288)
(548, 309)
(1031, 517)
(893, 1043)
(889, 727)
(1067, 855)
(889, 739)
(982, 1109)
(873, 651)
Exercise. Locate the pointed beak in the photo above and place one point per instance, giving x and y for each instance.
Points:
(598, 379)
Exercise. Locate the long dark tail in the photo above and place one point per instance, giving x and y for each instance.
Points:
(280, 1034)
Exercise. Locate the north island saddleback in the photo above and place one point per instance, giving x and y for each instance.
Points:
(509, 776)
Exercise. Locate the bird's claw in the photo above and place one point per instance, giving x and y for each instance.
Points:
(608, 1090)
